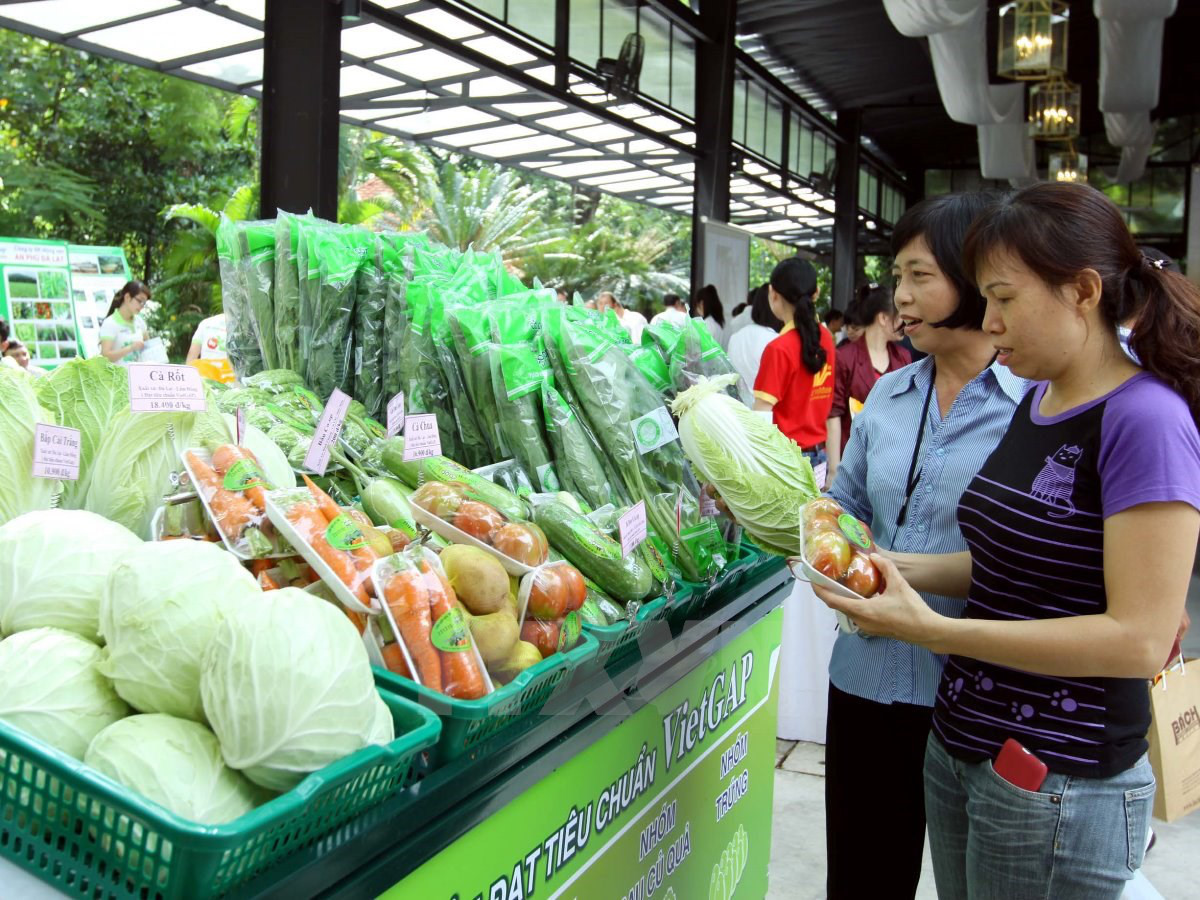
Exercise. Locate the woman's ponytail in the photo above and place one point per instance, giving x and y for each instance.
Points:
(812, 354)
(1166, 327)
(795, 280)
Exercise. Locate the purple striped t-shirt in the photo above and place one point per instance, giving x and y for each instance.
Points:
(1033, 519)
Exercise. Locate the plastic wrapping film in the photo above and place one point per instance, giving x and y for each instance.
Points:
(241, 340)
(369, 324)
(696, 354)
(327, 333)
(476, 449)
(286, 291)
(257, 268)
(421, 377)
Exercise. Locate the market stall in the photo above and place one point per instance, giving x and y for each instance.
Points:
(430, 596)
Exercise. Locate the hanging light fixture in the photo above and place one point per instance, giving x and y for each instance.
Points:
(1068, 165)
(1054, 110)
(1032, 41)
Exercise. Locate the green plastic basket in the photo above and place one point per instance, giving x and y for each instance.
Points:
(733, 575)
(623, 638)
(467, 724)
(90, 837)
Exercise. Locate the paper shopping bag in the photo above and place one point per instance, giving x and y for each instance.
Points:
(1175, 741)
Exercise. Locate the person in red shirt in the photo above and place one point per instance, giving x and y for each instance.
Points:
(795, 379)
(861, 363)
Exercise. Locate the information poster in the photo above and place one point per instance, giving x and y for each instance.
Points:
(97, 273)
(35, 284)
(675, 803)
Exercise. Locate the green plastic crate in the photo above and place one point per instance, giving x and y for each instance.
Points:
(467, 724)
(726, 582)
(90, 837)
(620, 639)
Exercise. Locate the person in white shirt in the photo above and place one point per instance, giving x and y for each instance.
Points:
(747, 344)
(674, 312)
(707, 306)
(20, 353)
(209, 340)
(123, 331)
(5, 360)
(631, 320)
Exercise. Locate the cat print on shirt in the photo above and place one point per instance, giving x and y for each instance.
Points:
(1056, 481)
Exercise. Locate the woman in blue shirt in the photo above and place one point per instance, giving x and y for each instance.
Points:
(923, 434)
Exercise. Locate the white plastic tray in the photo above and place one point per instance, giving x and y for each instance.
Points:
(235, 549)
(825, 581)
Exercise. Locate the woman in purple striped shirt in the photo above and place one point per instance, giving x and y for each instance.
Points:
(1081, 530)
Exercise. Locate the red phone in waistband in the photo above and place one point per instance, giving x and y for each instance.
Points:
(1019, 767)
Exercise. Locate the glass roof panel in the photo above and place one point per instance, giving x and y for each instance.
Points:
(439, 120)
(501, 51)
(240, 68)
(538, 144)
(629, 111)
(256, 9)
(357, 80)
(660, 124)
(427, 65)
(394, 4)
(445, 24)
(634, 174)
(601, 133)
(542, 73)
(370, 40)
(494, 86)
(646, 146)
(583, 151)
(529, 109)
(499, 133)
(174, 34)
(67, 16)
(595, 167)
(681, 168)
(570, 120)
(642, 185)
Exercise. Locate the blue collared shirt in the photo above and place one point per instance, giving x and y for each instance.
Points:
(871, 484)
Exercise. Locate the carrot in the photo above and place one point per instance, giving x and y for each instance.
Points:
(266, 582)
(329, 508)
(258, 566)
(394, 661)
(408, 599)
(232, 512)
(461, 677)
(225, 457)
(358, 619)
(311, 525)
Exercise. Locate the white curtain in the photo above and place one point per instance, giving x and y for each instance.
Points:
(1131, 35)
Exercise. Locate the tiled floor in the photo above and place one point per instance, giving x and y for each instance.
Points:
(798, 838)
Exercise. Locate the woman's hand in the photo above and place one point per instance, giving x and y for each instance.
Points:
(711, 490)
(137, 344)
(897, 612)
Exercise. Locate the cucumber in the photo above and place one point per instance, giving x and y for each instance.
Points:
(439, 468)
(386, 502)
(593, 552)
(591, 613)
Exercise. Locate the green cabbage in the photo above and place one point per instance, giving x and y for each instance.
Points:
(176, 763)
(53, 689)
(161, 607)
(19, 414)
(288, 688)
(84, 394)
(53, 567)
(383, 729)
(761, 475)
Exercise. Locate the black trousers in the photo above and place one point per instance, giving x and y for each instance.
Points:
(874, 797)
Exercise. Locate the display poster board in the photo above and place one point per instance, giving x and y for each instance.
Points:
(35, 299)
(674, 803)
(725, 261)
(97, 273)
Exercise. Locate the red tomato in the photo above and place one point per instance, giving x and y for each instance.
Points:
(828, 553)
(439, 499)
(548, 596)
(521, 542)
(478, 520)
(574, 586)
(862, 577)
(543, 635)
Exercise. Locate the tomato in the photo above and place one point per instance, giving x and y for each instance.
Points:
(548, 596)
(439, 499)
(573, 586)
(478, 520)
(523, 543)
(822, 506)
(862, 577)
(828, 553)
(543, 635)
(819, 523)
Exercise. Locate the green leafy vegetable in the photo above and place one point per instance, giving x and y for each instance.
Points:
(19, 415)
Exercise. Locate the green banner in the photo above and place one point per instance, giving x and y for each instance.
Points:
(675, 803)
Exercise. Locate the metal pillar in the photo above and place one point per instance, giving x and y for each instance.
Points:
(714, 121)
(301, 70)
(845, 218)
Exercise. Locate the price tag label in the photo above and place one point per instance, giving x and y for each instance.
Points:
(328, 430)
(56, 452)
(632, 527)
(241, 424)
(155, 387)
(421, 437)
(395, 415)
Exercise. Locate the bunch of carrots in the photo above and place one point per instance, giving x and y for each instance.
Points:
(418, 594)
(241, 515)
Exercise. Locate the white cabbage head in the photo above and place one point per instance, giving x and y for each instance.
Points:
(54, 564)
(288, 688)
(176, 763)
(161, 607)
(383, 730)
(52, 689)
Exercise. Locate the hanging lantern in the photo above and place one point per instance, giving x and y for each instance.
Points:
(1067, 165)
(1054, 110)
(1033, 40)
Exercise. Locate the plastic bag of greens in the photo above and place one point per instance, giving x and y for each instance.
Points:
(634, 429)
(257, 267)
(421, 378)
(330, 338)
(578, 465)
(520, 366)
(471, 334)
(476, 449)
(369, 324)
(397, 269)
(697, 355)
(287, 292)
(241, 341)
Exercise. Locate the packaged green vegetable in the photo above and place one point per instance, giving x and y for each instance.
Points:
(369, 323)
(257, 268)
(241, 340)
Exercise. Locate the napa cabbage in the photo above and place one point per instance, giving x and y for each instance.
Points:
(53, 689)
(287, 688)
(54, 564)
(761, 475)
(20, 413)
(176, 763)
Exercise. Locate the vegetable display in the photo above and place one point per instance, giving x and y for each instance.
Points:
(19, 415)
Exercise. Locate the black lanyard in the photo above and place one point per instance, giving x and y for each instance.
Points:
(912, 482)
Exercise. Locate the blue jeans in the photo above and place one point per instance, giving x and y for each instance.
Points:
(1074, 839)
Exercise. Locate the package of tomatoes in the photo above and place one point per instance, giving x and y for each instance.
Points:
(450, 510)
(550, 599)
(837, 548)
